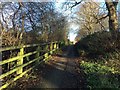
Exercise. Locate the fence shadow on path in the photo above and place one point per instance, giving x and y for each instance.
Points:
(56, 74)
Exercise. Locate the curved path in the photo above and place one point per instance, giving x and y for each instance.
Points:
(60, 72)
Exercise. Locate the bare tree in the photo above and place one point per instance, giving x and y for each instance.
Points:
(24, 19)
(88, 19)
(111, 6)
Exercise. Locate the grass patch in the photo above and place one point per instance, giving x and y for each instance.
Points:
(101, 76)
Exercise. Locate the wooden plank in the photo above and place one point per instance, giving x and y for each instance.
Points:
(55, 45)
(20, 60)
(9, 60)
(28, 54)
(9, 48)
(18, 47)
(15, 69)
(21, 65)
(46, 57)
(51, 48)
(19, 76)
(38, 53)
(15, 58)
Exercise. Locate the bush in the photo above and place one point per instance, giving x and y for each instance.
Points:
(99, 44)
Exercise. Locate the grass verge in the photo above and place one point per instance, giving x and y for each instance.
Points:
(101, 76)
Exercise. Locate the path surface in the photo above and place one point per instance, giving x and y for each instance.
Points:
(60, 72)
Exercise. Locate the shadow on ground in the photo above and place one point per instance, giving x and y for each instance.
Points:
(69, 52)
(59, 72)
(57, 78)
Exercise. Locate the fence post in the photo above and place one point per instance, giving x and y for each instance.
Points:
(51, 48)
(38, 53)
(20, 60)
(55, 46)
(46, 55)
(46, 47)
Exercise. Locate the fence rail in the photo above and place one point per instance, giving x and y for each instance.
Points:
(18, 69)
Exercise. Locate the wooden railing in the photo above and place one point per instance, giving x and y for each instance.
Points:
(24, 61)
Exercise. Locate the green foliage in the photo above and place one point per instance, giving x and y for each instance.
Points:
(97, 68)
(100, 76)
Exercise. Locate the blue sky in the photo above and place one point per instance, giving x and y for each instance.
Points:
(72, 27)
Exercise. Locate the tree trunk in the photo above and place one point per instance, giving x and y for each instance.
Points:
(113, 19)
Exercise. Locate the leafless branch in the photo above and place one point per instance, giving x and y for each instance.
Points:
(14, 15)
(102, 18)
(77, 3)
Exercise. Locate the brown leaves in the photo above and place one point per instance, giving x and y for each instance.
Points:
(8, 38)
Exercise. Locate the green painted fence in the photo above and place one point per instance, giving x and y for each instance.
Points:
(47, 49)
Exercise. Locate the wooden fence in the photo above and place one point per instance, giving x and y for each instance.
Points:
(24, 61)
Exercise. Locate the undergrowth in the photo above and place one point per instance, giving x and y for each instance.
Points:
(101, 76)
(102, 59)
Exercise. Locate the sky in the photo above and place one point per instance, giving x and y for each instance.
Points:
(72, 33)
(72, 27)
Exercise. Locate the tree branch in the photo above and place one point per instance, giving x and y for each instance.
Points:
(76, 3)
(101, 18)
(14, 16)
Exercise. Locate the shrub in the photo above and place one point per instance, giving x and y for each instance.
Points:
(99, 44)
